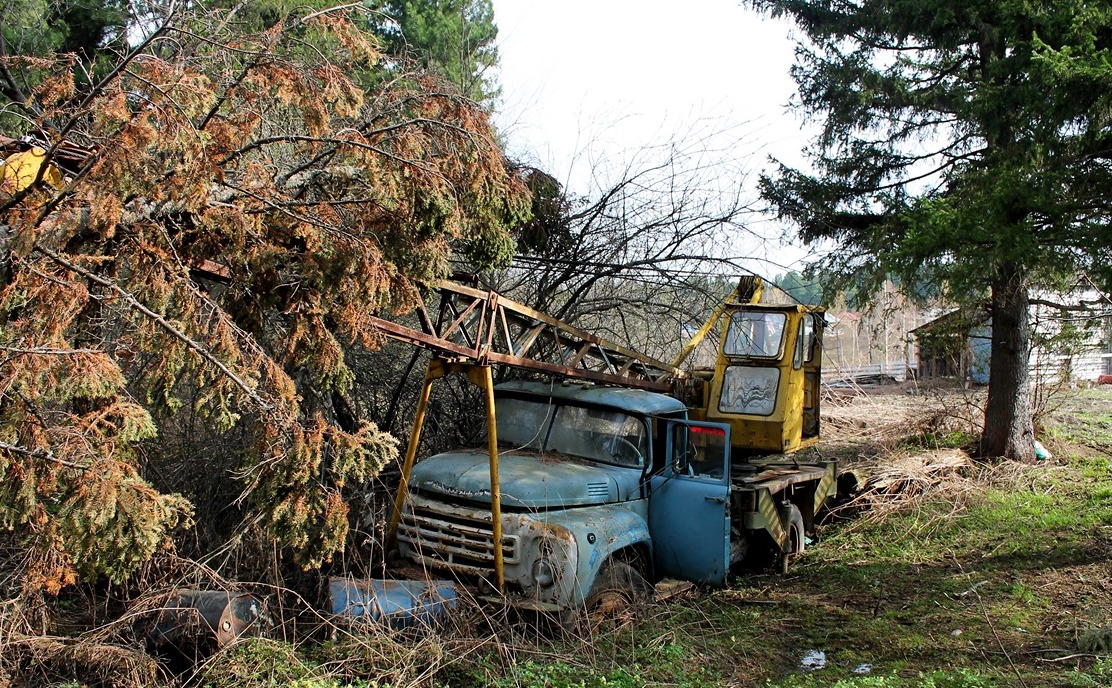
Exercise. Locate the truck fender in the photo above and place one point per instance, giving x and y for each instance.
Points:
(600, 532)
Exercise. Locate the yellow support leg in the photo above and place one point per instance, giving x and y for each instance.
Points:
(482, 377)
(435, 370)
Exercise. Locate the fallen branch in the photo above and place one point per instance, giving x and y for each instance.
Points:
(1078, 655)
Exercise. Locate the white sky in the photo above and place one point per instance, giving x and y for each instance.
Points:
(584, 80)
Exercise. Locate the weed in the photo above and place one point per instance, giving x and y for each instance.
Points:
(957, 439)
(1097, 676)
(258, 663)
(960, 678)
(560, 674)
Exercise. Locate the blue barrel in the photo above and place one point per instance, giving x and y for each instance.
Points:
(395, 603)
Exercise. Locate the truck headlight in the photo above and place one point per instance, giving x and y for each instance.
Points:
(543, 573)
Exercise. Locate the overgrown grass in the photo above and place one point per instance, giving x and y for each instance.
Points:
(989, 587)
(1005, 582)
(266, 664)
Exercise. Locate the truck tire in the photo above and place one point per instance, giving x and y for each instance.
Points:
(797, 540)
(617, 587)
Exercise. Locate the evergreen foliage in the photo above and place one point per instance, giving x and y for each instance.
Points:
(807, 291)
(239, 206)
(964, 143)
(453, 38)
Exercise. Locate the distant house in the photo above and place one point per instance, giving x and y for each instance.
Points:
(955, 345)
(958, 344)
(874, 343)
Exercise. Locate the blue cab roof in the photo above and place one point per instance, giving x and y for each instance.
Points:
(630, 400)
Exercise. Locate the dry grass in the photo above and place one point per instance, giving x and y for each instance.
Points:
(898, 443)
(886, 416)
(42, 659)
(910, 477)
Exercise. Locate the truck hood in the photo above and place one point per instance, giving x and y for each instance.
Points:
(527, 481)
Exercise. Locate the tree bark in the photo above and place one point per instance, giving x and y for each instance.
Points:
(1008, 430)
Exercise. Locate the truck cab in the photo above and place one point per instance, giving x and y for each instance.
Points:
(598, 484)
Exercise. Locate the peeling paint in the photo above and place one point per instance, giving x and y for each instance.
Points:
(457, 492)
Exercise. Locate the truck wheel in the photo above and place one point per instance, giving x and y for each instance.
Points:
(797, 541)
(617, 587)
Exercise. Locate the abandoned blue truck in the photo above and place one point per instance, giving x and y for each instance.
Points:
(605, 491)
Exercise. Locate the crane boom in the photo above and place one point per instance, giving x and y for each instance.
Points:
(483, 327)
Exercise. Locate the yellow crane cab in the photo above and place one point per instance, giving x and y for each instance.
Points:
(765, 381)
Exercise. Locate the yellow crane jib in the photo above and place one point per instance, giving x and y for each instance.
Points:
(21, 170)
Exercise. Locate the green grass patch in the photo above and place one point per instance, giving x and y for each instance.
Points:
(1084, 418)
(958, 439)
(1099, 675)
(961, 678)
(609, 663)
(260, 663)
(968, 589)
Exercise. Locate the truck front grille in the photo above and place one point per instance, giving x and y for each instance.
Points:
(456, 539)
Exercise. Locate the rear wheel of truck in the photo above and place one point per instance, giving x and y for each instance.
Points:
(797, 541)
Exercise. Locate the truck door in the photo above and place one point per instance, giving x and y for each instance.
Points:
(689, 516)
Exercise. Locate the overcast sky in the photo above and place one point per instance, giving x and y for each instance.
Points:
(584, 80)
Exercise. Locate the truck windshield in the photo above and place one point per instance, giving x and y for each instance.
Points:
(602, 435)
(608, 436)
(522, 423)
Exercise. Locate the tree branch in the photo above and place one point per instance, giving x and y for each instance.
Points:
(1079, 307)
(195, 346)
(41, 454)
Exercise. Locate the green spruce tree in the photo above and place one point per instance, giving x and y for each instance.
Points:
(965, 142)
(454, 38)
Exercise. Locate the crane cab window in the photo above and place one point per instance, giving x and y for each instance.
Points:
(749, 390)
(755, 334)
(804, 342)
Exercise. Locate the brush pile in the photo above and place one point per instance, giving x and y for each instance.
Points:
(900, 445)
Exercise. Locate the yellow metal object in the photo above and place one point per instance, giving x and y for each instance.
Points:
(20, 171)
(769, 398)
(748, 290)
(770, 511)
(480, 376)
(435, 371)
(703, 331)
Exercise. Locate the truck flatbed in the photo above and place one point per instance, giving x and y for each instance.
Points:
(775, 477)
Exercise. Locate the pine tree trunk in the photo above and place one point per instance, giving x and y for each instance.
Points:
(1008, 430)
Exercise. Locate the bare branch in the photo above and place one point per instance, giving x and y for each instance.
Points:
(41, 454)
